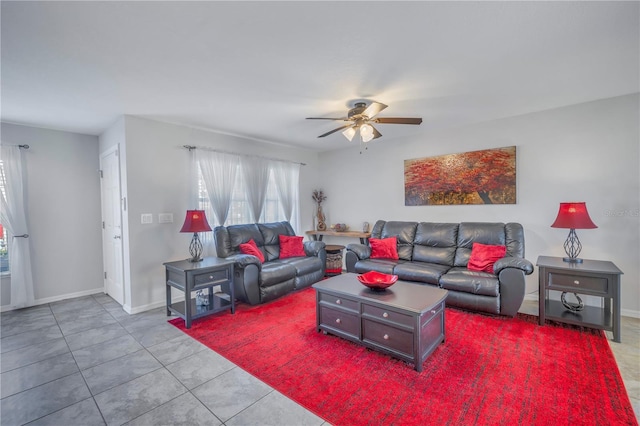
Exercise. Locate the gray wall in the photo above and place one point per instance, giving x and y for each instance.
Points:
(587, 152)
(63, 200)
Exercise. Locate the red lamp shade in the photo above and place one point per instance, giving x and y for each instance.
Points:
(573, 216)
(195, 221)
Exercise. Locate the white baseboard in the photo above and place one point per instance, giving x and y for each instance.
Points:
(148, 307)
(623, 312)
(6, 308)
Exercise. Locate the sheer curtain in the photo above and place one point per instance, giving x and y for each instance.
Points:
(255, 171)
(13, 216)
(219, 172)
(287, 176)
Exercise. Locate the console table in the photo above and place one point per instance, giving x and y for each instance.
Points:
(317, 235)
(592, 277)
(191, 276)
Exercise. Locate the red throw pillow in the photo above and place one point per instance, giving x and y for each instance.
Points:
(291, 247)
(250, 247)
(384, 248)
(483, 257)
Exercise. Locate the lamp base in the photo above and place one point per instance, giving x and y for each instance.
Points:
(572, 260)
(195, 248)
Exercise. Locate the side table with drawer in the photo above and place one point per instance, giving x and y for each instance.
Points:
(192, 276)
(591, 277)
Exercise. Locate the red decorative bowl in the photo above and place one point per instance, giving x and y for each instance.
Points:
(377, 280)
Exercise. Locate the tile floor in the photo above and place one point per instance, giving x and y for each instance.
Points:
(85, 361)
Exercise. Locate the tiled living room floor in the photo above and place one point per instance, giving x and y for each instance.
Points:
(85, 361)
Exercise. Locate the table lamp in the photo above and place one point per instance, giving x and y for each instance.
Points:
(195, 221)
(573, 216)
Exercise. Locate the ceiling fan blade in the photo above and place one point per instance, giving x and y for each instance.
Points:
(376, 133)
(398, 120)
(327, 118)
(335, 130)
(373, 109)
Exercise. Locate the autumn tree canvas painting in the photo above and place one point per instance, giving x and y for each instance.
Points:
(476, 177)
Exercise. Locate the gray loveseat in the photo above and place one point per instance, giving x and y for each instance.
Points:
(437, 254)
(256, 282)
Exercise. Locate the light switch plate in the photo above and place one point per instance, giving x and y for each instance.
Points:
(146, 218)
(165, 218)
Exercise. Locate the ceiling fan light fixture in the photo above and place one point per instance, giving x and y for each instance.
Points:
(349, 133)
(366, 132)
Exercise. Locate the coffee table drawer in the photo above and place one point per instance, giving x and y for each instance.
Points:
(340, 321)
(387, 315)
(388, 337)
(339, 301)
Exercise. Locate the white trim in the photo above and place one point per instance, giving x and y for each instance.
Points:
(6, 308)
(143, 308)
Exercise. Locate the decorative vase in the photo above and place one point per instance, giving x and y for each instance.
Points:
(321, 226)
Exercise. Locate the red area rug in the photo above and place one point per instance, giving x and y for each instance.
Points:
(489, 371)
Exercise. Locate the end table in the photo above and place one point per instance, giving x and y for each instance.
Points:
(192, 276)
(592, 277)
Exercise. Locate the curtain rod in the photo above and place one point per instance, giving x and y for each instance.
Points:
(192, 147)
(25, 146)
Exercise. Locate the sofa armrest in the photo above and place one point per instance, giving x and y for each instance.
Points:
(244, 260)
(511, 291)
(361, 251)
(313, 248)
(513, 262)
(356, 252)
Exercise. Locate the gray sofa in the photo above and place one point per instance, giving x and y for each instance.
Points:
(256, 282)
(437, 254)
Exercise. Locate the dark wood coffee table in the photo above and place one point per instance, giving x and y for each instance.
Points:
(405, 321)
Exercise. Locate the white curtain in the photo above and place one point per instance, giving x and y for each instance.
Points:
(287, 176)
(13, 216)
(219, 174)
(255, 171)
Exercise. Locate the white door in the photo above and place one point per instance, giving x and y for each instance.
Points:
(112, 224)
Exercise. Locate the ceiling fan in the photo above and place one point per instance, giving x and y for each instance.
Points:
(360, 119)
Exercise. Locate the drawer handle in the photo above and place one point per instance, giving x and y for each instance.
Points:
(210, 277)
(385, 337)
(576, 282)
(338, 320)
(385, 315)
(338, 302)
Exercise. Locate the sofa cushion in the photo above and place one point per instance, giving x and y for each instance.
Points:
(271, 237)
(380, 265)
(420, 271)
(483, 256)
(275, 272)
(435, 243)
(405, 233)
(477, 232)
(251, 248)
(303, 265)
(291, 246)
(385, 248)
(475, 282)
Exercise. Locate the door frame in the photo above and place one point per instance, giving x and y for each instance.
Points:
(109, 151)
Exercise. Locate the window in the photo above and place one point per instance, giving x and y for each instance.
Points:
(239, 211)
(4, 240)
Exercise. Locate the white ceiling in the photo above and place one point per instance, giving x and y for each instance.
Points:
(257, 69)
